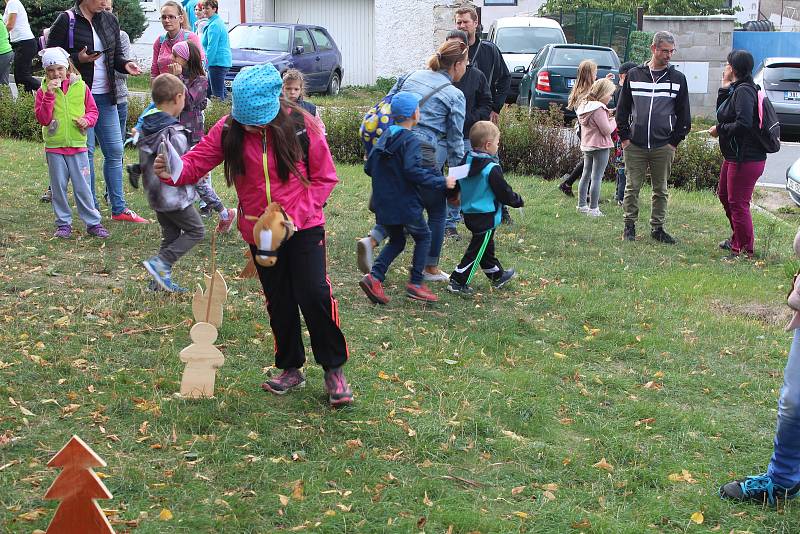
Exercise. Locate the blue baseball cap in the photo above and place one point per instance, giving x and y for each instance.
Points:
(404, 104)
(256, 95)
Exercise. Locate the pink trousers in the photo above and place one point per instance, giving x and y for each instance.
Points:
(736, 184)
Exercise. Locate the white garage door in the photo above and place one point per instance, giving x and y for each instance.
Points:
(351, 24)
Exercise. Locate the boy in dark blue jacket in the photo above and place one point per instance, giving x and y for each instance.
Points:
(395, 165)
(483, 193)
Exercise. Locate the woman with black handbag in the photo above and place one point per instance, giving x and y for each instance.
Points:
(745, 157)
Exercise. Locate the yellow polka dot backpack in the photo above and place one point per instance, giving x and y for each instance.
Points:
(379, 117)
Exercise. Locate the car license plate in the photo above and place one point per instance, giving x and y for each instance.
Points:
(792, 95)
(793, 186)
(570, 82)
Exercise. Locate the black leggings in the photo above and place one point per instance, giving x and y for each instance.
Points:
(24, 52)
(297, 283)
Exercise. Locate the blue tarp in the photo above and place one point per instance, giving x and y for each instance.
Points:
(767, 44)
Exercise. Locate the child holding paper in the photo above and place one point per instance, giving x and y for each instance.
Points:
(395, 165)
(483, 192)
(181, 226)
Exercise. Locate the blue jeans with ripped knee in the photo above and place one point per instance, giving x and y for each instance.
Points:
(784, 467)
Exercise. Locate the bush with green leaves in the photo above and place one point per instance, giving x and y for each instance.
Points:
(532, 141)
(697, 164)
(639, 51)
(42, 14)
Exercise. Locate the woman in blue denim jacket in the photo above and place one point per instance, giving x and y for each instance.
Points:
(441, 127)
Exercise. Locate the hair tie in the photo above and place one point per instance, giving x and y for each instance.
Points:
(438, 56)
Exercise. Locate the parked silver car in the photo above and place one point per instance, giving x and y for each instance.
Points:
(780, 78)
(793, 181)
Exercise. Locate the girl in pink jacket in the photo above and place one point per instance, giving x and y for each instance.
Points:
(261, 135)
(597, 125)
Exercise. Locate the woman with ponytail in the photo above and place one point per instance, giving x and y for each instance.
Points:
(440, 129)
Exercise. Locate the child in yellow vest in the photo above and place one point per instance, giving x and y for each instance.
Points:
(65, 109)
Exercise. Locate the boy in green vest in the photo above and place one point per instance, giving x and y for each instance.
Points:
(484, 191)
(66, 109)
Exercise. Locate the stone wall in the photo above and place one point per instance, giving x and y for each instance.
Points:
(407, 33)
(699, 39)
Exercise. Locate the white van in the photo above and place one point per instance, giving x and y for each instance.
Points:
(519, 39)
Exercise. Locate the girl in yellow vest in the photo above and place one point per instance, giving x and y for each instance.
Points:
(65, 109)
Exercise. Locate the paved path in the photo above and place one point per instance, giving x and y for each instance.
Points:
(775, 171)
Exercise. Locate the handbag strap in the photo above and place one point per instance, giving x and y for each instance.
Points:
(266, 166)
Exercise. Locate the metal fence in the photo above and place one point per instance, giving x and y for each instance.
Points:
(597, 27)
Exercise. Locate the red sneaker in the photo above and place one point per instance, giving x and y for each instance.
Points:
(373, 289)
(225, 225)
(128, 215)
(420, 292)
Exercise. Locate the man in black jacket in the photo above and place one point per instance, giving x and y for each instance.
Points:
(487, 57)
(478, 108)
(653, 116)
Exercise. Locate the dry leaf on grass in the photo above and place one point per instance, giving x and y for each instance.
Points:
(283, 499)
(603, 464)
(297, 490)
(684, 476)
(33, 515)
(697, 518)
(165, 514)
(517, 490)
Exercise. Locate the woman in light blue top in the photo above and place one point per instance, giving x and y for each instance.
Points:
(440, 126)
(218, 49)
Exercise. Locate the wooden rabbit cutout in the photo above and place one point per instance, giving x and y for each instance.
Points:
(202, 360)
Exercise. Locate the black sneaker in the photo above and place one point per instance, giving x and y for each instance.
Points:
(503, 279)
(460, 289)
(452, 233)
(506, 217)
(758, 489)
(662, 237)
(566, 188)
(134, 174)
(629, 234)
(725, 245)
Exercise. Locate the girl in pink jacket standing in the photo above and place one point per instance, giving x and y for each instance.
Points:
(597, 125)
(265, 157)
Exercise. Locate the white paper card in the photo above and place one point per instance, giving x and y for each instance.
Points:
(175, 163)
(462, 171)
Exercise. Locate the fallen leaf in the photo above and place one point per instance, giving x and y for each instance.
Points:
(165, 515)
(70, 408)
(549, 495)
(297, 490)
(252, 435)
(559, 355)
(284, 500)
(426, 501)
(421, 522)
(33, 515)
(517, 490)
(583, 523)
(697, 518)
(603, 464)
(512, 435)
(383, 376)
(521, 515)
(354, 443)
(684, 476)
(344, 508)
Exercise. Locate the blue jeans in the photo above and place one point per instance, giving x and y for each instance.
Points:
(106, 131)
(784, 467)
(434, 203)
(122, 111)
(216, 81)
(73, 168)
(421, 235)
(620, 184)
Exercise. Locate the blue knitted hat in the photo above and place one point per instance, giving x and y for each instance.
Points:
(404, 104)
(256, 92)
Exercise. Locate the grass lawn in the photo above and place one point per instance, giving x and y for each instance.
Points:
(562, 403)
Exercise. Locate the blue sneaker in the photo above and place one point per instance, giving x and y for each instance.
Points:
(161, 273)
(759, 489)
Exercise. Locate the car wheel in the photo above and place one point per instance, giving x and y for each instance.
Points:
(335, 84)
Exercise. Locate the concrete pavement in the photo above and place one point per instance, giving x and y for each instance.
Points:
(777, 163)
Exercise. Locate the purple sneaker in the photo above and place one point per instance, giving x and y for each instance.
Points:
(98, 230)
(64, 231)
(339, 393)
(288, 380)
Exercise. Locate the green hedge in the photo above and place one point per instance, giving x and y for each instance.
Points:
(640, 46)
(533, 142)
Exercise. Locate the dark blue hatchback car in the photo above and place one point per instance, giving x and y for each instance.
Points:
(309, 49)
